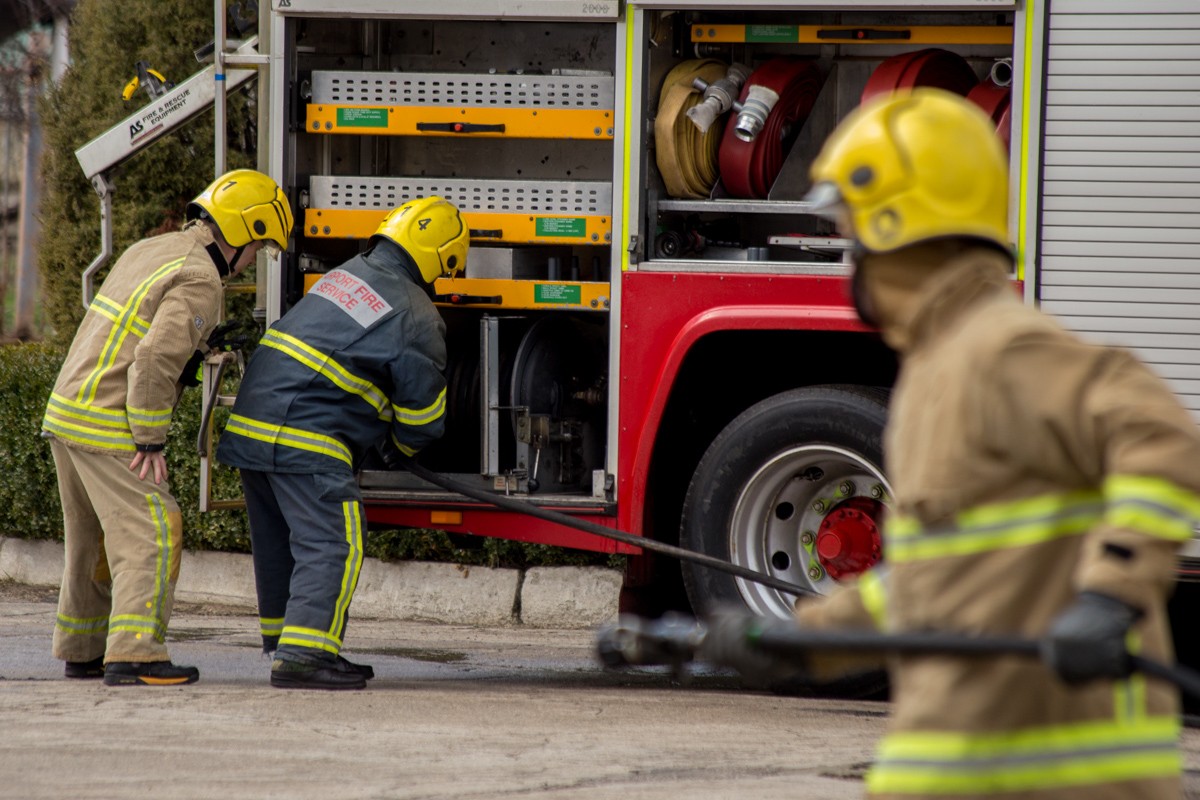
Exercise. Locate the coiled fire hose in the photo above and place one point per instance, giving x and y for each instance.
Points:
(994, 95)
(932, 67)
(675, 640)
(772, 106)
(685, 154)
(775, 101)
(943, 69)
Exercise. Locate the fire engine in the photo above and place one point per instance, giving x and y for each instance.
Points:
(653, 331)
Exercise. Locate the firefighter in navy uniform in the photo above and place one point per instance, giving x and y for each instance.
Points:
(1043, 486)
(141, 340)
(356, 364)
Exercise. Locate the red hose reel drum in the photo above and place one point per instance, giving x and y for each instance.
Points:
(942, 69)
(748, 169)
(996, 102)
(933, 67)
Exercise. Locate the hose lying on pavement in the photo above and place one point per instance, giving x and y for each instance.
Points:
(670, 641)
(674, 640)
(593, 528)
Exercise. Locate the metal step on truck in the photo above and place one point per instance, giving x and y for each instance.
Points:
(653, 331)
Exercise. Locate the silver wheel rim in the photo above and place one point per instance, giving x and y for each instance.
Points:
(783, 500)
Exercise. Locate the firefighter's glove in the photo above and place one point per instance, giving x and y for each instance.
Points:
(730, 640)
(226, 337)
(391, 456)
(193, 370)
(1087, 641)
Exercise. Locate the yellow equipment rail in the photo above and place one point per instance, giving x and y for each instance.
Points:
(505, 293)
(854, 34)
(525, 294)
(335, 223)
(472, 122)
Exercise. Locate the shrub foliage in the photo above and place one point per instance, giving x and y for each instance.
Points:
(28, 490)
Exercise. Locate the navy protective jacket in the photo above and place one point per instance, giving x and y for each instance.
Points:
(360, 358)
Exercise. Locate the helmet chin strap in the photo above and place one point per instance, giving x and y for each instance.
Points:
(858, 288)
(224, 267)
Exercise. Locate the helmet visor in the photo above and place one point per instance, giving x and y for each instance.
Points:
(825, 200)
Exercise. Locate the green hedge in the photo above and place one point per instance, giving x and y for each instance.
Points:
(29, 505)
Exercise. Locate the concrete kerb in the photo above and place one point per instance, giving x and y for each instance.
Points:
(547, 597)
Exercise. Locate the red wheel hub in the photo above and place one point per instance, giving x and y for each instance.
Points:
(848, 541)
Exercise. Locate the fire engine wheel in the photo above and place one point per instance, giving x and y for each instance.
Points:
(794, 488)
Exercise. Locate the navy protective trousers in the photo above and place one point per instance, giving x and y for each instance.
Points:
(306, 531)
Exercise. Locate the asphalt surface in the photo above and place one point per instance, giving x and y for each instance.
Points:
(456, 712)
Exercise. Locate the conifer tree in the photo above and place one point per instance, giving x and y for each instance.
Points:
(106, 41)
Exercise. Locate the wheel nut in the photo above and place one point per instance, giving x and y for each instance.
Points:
(807, 538)
(814, 573)
(846, 488)
(877, 492)
(819, 506)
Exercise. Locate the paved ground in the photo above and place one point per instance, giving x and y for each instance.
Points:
(457, 712)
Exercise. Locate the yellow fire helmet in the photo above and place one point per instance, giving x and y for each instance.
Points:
(431, 230)
(914, 166)
(247, 206)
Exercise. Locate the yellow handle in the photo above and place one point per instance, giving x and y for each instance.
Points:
(132, 86)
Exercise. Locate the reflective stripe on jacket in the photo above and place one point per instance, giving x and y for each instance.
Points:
(358, 361)
(1027, 466)
(120, 380)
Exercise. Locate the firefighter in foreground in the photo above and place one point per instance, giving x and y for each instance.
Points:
(107, 418)
(1042, 488)
(357, 363)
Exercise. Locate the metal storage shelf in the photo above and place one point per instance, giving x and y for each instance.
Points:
(452, 104)
(523, 294)
(721, 267)
(524, 212)
(738, 206)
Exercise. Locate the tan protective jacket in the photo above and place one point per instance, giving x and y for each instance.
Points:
(1027, 466)
(120, 380)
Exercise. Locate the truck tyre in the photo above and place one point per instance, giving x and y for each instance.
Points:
(793, 487)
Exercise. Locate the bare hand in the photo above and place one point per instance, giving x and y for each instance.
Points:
(155, 461)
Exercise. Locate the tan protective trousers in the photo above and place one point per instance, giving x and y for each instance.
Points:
(123, 542)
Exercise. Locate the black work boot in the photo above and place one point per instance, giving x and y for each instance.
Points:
(298, 675)
(85, 669)
(150, 673)
(345, 665)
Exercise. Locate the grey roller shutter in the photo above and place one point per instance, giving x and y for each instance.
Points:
(1120, 234)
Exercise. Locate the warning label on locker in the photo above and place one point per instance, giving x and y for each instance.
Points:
(566, 294)
(561, 226)
(362, 117)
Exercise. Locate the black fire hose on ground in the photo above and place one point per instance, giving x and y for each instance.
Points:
(670, 641)
(675, 640)
(682, 553)
(790, 642)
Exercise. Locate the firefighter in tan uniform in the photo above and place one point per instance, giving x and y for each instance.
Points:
(107, 418)
(1042, 487)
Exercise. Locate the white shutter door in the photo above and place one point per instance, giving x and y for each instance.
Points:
(1120, 234)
